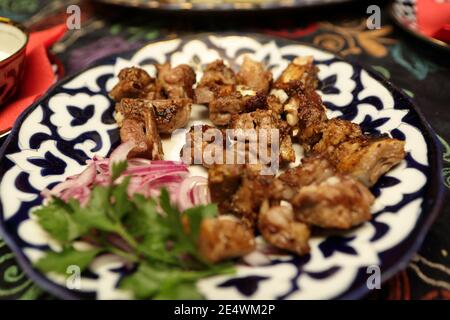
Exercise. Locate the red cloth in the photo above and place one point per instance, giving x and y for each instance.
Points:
(433, 18)
(38, 74)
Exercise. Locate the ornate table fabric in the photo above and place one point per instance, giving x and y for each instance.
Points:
(424, 74)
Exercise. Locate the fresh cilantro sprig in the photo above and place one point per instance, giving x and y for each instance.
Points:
(155, 237)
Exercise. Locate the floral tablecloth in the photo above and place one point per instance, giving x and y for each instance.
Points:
(422, 73)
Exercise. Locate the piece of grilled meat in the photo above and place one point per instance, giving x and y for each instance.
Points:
(248, 198)
(263, 122)
(171, 114)
(329, 134)
(175, 83)
(366, 158)
(279, 227)
(352, 152)
(300, 69)
(301, 107)
(312, 170)
(223, 238)
(227, 94)
(339, 202)
(254, 76)
(137, 123)
(218, 80)
(223, 182)
(134, 83)
(205, 145)
(222, 109)
(238, 190)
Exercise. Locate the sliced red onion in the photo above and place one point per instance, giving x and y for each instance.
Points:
(83, 179)
(147, 178)
(195, 186)
(121, 152)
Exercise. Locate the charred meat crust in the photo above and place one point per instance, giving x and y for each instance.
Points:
(222, 109)
(138, 124)
(134, 83)
(227, 94)
(169, 114)
(172, 114)
(352, 152)
(300, 69)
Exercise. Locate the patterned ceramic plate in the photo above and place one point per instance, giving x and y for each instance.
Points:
(216, 5)
(73, 122)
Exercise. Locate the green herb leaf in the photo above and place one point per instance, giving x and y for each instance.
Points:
(179, 291)
(55, 219)
(117, 169)
(153, 234)
(95, 213)
(121, 205)
(59, 261)
(145, 282)
(196, 215)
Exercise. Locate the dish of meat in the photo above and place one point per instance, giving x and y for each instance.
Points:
(356, 182)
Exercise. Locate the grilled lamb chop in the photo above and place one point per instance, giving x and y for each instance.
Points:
(138, 124)
(339, 202)
(279, 227)
(134, 83)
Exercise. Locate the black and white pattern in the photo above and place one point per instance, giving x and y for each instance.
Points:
(54, 138)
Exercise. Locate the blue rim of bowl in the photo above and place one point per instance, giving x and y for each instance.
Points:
(25, 32)
(430, 208)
